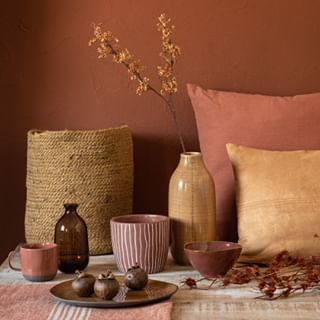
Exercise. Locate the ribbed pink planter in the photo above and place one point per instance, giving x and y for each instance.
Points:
(142, 239)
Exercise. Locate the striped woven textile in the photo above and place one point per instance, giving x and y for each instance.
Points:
(24, 302)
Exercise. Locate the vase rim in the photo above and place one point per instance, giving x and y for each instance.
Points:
(191, 153)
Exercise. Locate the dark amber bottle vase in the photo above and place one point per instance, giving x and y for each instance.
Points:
(71, 236)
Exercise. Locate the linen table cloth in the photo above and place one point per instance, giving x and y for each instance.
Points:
(229, 303)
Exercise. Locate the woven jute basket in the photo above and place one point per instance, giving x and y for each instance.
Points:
(92, 168)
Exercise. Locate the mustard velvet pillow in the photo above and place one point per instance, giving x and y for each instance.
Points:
(278, 201)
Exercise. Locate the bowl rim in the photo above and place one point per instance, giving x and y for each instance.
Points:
(235, 245)
(158, 218)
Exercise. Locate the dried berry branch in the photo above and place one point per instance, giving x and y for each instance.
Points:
(107, 45)
(283, 276)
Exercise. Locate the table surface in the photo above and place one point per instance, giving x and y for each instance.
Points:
(232, 302)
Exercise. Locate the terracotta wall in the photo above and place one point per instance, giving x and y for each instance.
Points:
(50, 79)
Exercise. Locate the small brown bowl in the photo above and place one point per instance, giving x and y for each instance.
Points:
(212, 258)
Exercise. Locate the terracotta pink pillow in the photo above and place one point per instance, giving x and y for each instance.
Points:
(265, 122)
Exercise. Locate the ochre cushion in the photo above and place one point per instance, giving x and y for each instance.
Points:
(278, 201)
(266, 122)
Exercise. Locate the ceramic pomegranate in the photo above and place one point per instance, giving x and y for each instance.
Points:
(106, 286)
(136, 278)
(83, 284)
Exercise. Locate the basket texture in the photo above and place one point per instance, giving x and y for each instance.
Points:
(92, 168)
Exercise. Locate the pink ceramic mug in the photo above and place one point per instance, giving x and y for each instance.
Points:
(142, 239)
(39, 261)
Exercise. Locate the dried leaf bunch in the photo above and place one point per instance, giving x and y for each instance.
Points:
(283, 276)
(107, 45)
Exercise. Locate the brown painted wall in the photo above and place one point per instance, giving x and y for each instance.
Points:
(50, 79)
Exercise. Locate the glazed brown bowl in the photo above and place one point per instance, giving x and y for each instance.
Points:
(212, 258)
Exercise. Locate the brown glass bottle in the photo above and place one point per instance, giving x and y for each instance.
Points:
(72, 238)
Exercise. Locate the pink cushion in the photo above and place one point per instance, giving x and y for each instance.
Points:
(276, 123)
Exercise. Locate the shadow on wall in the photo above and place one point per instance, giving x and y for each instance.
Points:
(155, 159)
(16, 118)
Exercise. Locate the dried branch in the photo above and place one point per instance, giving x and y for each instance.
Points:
(108, 46)
(283, 276)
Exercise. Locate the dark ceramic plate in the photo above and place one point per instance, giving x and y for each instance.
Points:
(153, 292)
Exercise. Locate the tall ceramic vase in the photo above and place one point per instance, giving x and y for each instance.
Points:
(191, 204)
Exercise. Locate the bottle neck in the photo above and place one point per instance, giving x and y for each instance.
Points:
(69, 212)
(70, 208)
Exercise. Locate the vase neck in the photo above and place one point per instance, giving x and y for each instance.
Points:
(190, 158)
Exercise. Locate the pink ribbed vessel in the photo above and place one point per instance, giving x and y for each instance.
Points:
(142, 239)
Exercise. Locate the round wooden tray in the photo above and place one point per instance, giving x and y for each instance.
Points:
(153, 292)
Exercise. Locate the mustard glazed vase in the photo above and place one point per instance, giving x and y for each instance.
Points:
(191, 204)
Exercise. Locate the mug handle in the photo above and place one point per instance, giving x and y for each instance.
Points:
(11, 254)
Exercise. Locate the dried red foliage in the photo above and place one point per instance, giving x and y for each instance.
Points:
(283, 276)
